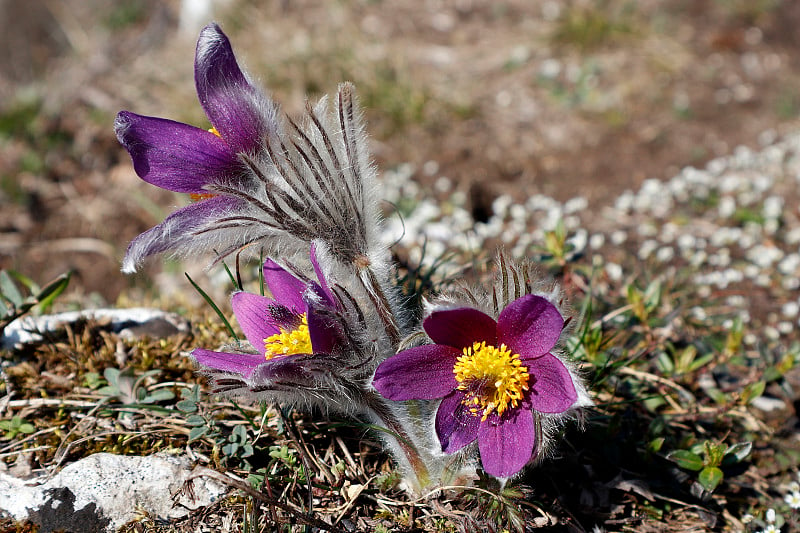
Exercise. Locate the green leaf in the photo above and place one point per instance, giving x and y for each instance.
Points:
(52, 290)
(665, 363)
(686, 459)
(9, 289)
(141, 395)
(160, 395)
(230, 449)
(112, 375)
(240, 433)
(93, 380)
(701, 362)
(652, 296)
(656, 444)
(195, 420)
(25, 281)
(197, 432)
(752, 391)
(187, 406)
(633, 295)
(738, 452)
(710, 478)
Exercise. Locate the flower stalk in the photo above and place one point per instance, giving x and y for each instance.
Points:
(402, 439)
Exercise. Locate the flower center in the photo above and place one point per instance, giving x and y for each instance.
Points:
(289, 341)
(492, 378)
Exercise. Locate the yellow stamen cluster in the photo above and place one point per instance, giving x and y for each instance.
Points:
(492, 378)
(289, 342)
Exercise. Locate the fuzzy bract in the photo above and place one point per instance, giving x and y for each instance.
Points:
(494, 378)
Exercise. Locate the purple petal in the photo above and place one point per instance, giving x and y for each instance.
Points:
(461, 327)
(239, 363)
(325, 333)
(172, 155)
(421, 373)
(289, 371)
(551, 386)
(241, 113)
(253, 313)
(529, 326)
(285, 288)
(455, 425)
(506, 443)
(177, 230)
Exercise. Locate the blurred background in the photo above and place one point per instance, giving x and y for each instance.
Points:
(564, 98)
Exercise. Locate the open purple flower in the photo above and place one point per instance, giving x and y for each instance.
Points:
(283, 330)
(492, 377)
(186, 159)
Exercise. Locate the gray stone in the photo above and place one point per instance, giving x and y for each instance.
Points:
(130, 323)
(102, 492)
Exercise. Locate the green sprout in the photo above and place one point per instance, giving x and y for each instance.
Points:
(644, 302)
(708, 460)
(128, 388)
(15, 426)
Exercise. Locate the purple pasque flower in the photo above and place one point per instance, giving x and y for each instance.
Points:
(279, 183)
(284, 330)
(186, 159)
(493, 377)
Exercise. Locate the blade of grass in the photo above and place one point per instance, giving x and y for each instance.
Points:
(214, 306)
(53, 290)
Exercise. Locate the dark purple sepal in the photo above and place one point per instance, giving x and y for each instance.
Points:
(293, 372)
(421, 373)
(551, 389)
(323, 328)
(253, 314)
(241, 113)
(174, 156)
(177, 230)
(323, 283)
(506, 442)
(460, 327)
(456, 426)
(285, 288)
(242, 364)
(283, 372)
(530, 326)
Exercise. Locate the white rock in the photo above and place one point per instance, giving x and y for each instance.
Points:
(102, 492)
(133, 322)
(767, 404)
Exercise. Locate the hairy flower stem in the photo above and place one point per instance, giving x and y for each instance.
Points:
(379, 301)
(377, 404)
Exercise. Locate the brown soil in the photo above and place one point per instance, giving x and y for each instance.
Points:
(517, 97)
